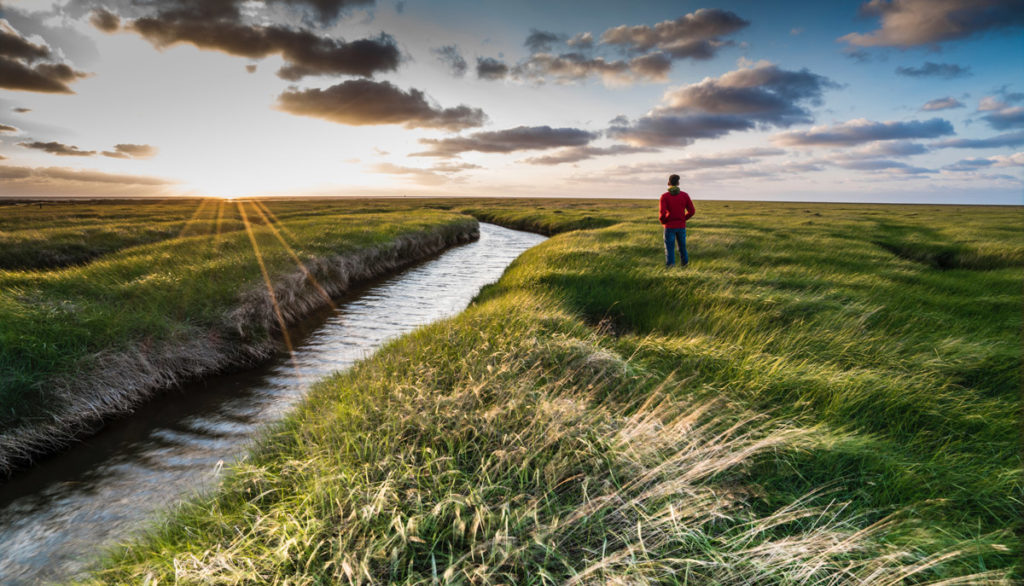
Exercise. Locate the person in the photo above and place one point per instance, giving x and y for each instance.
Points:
(676, 208)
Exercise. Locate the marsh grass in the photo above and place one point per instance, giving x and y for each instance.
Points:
(78, 343)
(801, 405)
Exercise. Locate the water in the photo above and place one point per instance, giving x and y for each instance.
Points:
(56, 516)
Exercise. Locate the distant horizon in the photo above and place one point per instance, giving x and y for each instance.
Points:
(58, 198)
(894, 101)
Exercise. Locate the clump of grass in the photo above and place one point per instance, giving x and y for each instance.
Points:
(493, 450)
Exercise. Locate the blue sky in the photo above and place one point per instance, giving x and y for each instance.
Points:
(885, 101)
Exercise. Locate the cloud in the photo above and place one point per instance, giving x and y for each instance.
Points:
(897, 148)
(860, 131)
(23, 181)
(975, 164)
(520, 138)
(22, 110)
(883, 165)
(436, 175)
(1000, 114)
(219, 25)
(491, 68)
(759, 95)
(942, 104)
(56, 148)
(580, 153)
(450, 56)
(910, 23)
(694, 35)
(131, 151)
(19, 69)
(569, 67)
(664, 130)
(6, 128)
(105, 20)
(581, 41)
(1009, 139)
(929, 69)
(540, 41)
(361, 102)
(326, 11)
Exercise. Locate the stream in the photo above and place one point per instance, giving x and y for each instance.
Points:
(57, 516)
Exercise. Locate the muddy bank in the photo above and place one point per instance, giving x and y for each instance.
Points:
(115, 382)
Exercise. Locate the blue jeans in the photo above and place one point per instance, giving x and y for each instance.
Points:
(672, 236)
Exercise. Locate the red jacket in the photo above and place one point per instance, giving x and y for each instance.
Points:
(676, 208)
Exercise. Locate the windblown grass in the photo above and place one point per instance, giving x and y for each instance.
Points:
(801, 405)
(83, 342)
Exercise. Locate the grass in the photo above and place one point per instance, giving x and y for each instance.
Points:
(827, 394)
(96, 336)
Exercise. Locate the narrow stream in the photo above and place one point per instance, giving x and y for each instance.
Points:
(56, 516)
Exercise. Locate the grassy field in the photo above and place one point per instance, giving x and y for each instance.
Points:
(164, 291)
(827, 394)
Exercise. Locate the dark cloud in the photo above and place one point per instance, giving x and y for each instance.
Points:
(542, 41)
(251, 68)
(580, 153)
(57, 148)
(6, 128)
(22, 110)
(759, 96)
(219, 25)
(131, 151)
(520, 138)
(664, 130)
(490, 68)
(1009, 139)
(694, 35)
(14, 46)
(1000, 113)
(19, 69)
(577, 66)
(909, 23)
(105, 20)
(942, 104)
(450, 56)
(862, 131)
(929, 69)
(361, 102)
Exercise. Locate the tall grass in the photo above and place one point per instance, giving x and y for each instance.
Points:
(800, 405)
(82, 342)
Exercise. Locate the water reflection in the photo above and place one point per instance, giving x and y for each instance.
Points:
(57, 515)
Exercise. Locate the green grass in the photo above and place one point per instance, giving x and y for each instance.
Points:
(60, 324)
(827, 394)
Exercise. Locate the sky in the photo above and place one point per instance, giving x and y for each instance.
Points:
(890, 101)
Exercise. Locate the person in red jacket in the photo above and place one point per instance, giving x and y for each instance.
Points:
(676, 208)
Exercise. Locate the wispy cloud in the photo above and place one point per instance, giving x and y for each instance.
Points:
(861, 131)
(929, 69)
(947, 103)
(520, 138)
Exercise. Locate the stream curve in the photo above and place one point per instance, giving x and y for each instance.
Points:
(57, 516)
